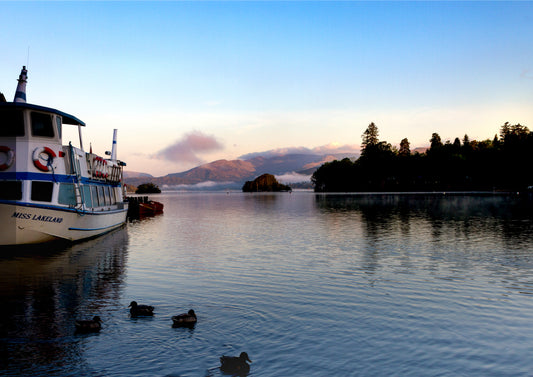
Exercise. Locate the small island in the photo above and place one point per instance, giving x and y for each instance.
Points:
(148, 188)
(265, 183)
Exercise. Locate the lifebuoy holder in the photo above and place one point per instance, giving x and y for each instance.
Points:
(37, 157)
(99, 168)
(10, 157)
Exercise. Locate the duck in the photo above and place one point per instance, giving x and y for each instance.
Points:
(140, 310)
(185, 319)
(90, 325)
(235, 364)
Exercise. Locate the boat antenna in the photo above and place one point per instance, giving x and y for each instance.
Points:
(20, 94)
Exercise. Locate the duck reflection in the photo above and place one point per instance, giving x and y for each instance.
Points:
(45, 289)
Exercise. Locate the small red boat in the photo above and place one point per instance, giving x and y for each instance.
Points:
(141, 206)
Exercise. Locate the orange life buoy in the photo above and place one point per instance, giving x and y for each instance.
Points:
(37, 158)
(10, 157)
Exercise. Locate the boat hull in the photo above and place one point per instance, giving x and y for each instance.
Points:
(29, 224)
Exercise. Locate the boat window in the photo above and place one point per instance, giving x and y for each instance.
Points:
(58, 123)
(42, 191)
(96, 198)
(41, 125)
(113, 196)
(86, 191)
(10, 190)
(117, 194)
(101, 195)
(107, 196)
(66, 194)
(11, 123)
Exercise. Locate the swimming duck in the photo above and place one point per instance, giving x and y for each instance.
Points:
(90, 325)
(140, 310)
(185, 319)
(235, 365)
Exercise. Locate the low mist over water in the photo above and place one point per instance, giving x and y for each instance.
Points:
(306, 284)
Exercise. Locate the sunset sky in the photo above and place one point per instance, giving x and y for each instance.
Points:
(192, 82)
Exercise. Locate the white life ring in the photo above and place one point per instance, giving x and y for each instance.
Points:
(10, 157)
(38, 152)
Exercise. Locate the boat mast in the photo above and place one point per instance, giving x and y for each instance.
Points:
(81, 141)
(20, 94)
(114, 146)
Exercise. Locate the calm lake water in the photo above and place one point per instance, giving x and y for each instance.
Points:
(307, 284)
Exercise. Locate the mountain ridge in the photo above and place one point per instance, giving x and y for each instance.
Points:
(233, 173)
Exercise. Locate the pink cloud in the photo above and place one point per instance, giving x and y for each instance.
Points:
(189, 147)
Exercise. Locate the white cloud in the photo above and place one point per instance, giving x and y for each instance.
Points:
(198, 186)
(336, 148)
(293, 177)
(332, 148)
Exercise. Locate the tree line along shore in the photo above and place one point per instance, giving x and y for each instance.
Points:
(501, 164)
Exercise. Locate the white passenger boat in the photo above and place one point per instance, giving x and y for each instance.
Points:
(49, 190)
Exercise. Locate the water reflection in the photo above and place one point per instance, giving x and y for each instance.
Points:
(44, 289)
(368, 285)
(450, 234)
(265, 202)
(467, 213)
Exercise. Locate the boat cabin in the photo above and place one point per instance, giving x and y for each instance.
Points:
(36, 167)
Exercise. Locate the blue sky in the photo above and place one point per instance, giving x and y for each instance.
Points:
(192, 82)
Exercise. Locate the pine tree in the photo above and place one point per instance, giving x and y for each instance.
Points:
(370, 136)
(405, 149)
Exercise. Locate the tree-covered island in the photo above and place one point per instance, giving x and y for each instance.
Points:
(265, 183)
(148, 188)
(503, 163)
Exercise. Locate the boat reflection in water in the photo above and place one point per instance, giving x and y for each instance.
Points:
(45, 289)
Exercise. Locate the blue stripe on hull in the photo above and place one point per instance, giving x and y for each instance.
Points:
(62, 209)
(93, 229)
(61, 178)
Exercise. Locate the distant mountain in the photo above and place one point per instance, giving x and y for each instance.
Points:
(420, 150)
(134, 174)
(217, 171)
(233, 174)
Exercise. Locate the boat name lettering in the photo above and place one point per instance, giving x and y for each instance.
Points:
(30, 216)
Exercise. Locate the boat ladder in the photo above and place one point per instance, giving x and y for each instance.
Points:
(75, 163)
